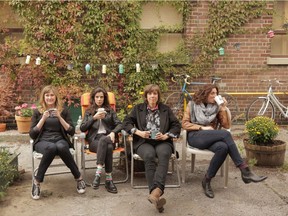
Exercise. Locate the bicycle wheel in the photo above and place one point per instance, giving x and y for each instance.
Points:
(176, 102)
(260, 107)
(232, 105)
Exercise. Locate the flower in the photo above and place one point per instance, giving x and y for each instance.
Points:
(261, 130)
(25, 110)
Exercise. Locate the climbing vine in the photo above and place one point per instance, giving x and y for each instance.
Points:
(77, 33)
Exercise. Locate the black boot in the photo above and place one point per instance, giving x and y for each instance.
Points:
(207, 187)
(110, 186)
(248, 176)
(96, 182)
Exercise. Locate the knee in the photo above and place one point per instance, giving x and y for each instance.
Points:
(149, 157)
(222, 147)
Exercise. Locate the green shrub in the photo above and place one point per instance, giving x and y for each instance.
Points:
(8, 170)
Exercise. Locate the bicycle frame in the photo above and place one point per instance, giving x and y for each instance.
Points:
(275, 101)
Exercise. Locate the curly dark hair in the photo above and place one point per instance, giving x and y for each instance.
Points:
(93, 106)
(202, 94)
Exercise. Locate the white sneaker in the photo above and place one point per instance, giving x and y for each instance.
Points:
(35, 191)
(81, 186)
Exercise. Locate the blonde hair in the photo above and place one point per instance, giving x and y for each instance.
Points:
(58, 102)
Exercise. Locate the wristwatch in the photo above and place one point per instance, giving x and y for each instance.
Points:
(133, 130)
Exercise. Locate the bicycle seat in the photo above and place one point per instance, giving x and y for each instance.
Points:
(213, 78)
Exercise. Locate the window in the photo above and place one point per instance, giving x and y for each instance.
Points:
(155, 15)
(9, 20)
(279, 43)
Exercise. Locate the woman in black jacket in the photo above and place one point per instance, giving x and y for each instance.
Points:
(153, 126)
(50, 127)
(102, 124)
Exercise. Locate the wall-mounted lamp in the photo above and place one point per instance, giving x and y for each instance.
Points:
(237, 46)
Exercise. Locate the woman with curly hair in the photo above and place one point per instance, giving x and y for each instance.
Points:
(200, 120)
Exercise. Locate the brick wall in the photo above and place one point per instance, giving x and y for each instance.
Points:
(241, 70)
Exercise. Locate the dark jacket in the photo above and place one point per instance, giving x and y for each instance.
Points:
(111, 123)
(137, 118)
(35, 133)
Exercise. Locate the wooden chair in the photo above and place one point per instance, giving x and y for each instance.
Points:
(119, 154)
(186, 149)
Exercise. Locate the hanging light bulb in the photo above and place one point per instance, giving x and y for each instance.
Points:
(104, 67)
(121, 69)
(87, 68)
(38, 61)
(138, 68)
(28, 58)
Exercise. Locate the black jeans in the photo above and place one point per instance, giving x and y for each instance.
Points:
(155, 175)
(218, 141)
(103, 146)
(49, 150)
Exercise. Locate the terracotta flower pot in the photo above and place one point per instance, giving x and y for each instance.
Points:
(273, 155)
(2, 127)
(23, 124)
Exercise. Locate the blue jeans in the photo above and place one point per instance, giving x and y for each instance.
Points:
(155, 174)
(218, 141)
(49, 151)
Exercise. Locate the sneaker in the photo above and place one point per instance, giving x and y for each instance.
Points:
(35, 191)
(81, 186)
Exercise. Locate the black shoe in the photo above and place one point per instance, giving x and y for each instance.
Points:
(248, 176)
(110, 186)
(35, 191)
(96, 182)
(207, 188)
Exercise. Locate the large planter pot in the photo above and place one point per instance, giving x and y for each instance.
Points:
(23, 124)
(266, 155)
(2, 127)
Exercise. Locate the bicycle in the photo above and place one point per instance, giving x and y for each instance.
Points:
(267, 105)
(184, 96)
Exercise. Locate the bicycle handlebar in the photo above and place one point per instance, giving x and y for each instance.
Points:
(184, 76)
(280, 82)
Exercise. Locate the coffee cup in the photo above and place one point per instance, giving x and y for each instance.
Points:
(101, 110)
(153, 134)
(51, 111)
(219, 100)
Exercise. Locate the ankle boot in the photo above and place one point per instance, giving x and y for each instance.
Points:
(156, 199)
(248, 176)
(207, 187)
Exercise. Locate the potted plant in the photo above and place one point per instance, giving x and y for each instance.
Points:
(261, 143)
(23, 117)
(8, 169)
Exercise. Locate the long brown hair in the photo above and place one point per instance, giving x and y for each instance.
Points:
(93, 106)
(58, 102)
(202, 94)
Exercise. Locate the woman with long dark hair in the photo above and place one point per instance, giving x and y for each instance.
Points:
(102, 124)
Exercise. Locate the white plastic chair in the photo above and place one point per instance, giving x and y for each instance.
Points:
(186, 149)
(54, 168)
